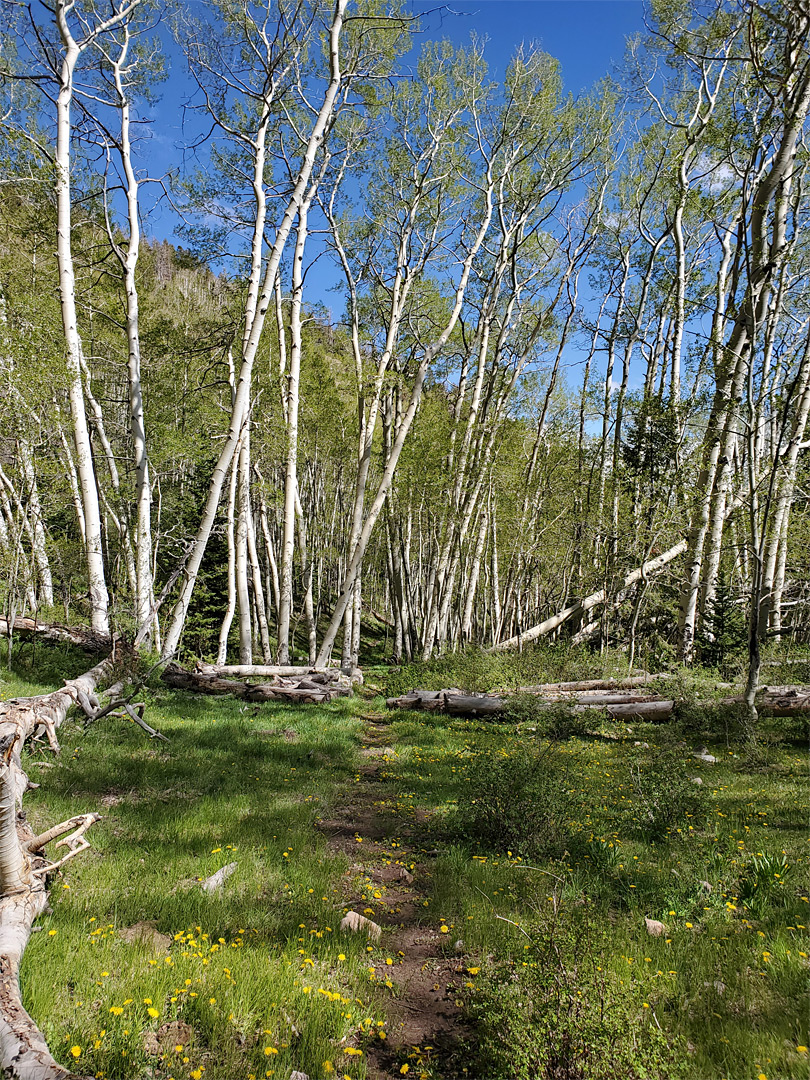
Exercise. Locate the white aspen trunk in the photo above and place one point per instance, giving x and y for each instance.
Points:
(306, 580)
(269, 550)
(359, 548)
(357, 606)
(773, 575)
(73, 480)
(497, 611)
(472, 580)
(291, 398)
(120, 512)
(94, 554)
(258, 589)
(225, 628)
(606, 403)
(251, 343)
(16, 527)
(38, 539)
(144, 583)
(241, 545)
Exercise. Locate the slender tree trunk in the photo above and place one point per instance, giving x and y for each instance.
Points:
(94, 554)
(251, 344)
(241, 545)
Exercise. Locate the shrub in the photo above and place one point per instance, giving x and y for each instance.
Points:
(559, 1017)
(556, 722)
(518, 802)
(665, 797)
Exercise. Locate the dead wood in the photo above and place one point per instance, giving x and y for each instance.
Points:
(581, 607)
(55, 634)
(453, 702)
(594, 684)
(24, 867)
(586, 696)
(313, 687)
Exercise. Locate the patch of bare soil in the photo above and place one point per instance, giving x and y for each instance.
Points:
(387, 881)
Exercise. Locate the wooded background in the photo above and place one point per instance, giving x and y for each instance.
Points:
(567, 390)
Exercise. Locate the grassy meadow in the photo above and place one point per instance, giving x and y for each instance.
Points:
(540, 860)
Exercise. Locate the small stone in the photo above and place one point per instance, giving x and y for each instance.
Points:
(704, 756)
(406, 876)
(216, 881)
(459, 946)
(175, 1033)
(146, 933)
(360, 924)
(296, 1075)
(706, 886)
(654, 927)
(697, 780)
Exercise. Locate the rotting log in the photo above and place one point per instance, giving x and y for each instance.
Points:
(55, 634)
(24, 1053)
(456, 703)
(307, 689)
(776, 700)
(631, 683)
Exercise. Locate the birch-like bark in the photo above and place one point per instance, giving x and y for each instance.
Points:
(242, 466)
(38, 538)
(251, 342)
(145, 612)
(94, 554)
(227, 620)
(291, 401)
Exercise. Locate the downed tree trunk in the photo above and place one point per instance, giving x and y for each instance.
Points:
(455, 703)
(776, 700)
(246, 671)
(24, 1053)
(54, 634)
(594, 684)
(313, 689)
(580, 607)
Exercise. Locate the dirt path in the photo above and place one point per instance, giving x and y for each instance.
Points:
(388, 881)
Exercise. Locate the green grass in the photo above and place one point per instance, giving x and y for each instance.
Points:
(260, 973)
(727, 982)
(267, 984)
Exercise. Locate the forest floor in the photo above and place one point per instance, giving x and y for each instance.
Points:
(514, 943)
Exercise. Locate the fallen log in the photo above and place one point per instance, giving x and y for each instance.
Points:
(645, 710)
(594, 684)
(55, 634)
(581, 607)
(305, 690)
(778, 701)
(315, 674)
(24, 1053)
(456, 703)
(264, 670)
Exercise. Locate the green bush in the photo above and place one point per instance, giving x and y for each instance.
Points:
(518, 802)
(665, 797)
(556, 722)
(560, 1016)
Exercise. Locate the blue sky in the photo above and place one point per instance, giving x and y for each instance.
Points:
(586, 36)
